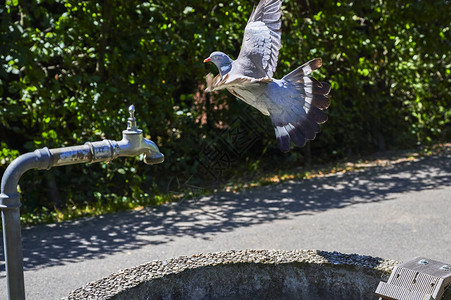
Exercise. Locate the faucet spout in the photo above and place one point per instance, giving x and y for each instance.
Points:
(152, 155)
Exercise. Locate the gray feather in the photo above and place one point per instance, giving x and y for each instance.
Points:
(261, 41)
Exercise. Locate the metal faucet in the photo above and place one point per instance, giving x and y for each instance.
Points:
(133, 143)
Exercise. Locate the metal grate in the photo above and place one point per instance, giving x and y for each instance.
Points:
(417, 279)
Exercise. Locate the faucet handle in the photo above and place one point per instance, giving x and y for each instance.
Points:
(132, 120)
(131, 110)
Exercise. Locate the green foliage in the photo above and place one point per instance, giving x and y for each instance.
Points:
(388, 62)
(69, 70)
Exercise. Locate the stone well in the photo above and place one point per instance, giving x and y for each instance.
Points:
(246, 274)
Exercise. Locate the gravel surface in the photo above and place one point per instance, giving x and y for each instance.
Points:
(129, 278)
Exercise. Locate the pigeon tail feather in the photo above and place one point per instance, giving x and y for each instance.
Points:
(315, 93)
(302, 101)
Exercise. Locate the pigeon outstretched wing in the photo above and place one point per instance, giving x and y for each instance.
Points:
(261, 41)
(296, 102)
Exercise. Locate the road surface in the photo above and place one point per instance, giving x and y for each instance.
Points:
(397, 212)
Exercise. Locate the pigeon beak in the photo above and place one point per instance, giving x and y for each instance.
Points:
(207, 59)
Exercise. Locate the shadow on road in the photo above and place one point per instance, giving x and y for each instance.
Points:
(58, 244)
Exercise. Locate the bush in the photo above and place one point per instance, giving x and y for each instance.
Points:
(71, 68)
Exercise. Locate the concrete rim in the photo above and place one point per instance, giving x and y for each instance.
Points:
(128, 278)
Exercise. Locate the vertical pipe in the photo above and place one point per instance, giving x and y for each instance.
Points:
(10, 206)
(12, 239)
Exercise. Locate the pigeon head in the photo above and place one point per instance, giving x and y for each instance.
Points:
(221, 60)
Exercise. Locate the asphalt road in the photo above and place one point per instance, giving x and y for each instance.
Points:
(396, 212)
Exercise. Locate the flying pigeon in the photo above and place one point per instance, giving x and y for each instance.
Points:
(295, 103)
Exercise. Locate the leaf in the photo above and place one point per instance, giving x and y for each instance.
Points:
(188, 10)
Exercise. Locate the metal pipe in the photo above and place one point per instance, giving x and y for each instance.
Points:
(132, 143)
(10, 206)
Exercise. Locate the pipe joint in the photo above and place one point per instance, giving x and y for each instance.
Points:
(105, 150)
(44, 159)
(11, 201)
